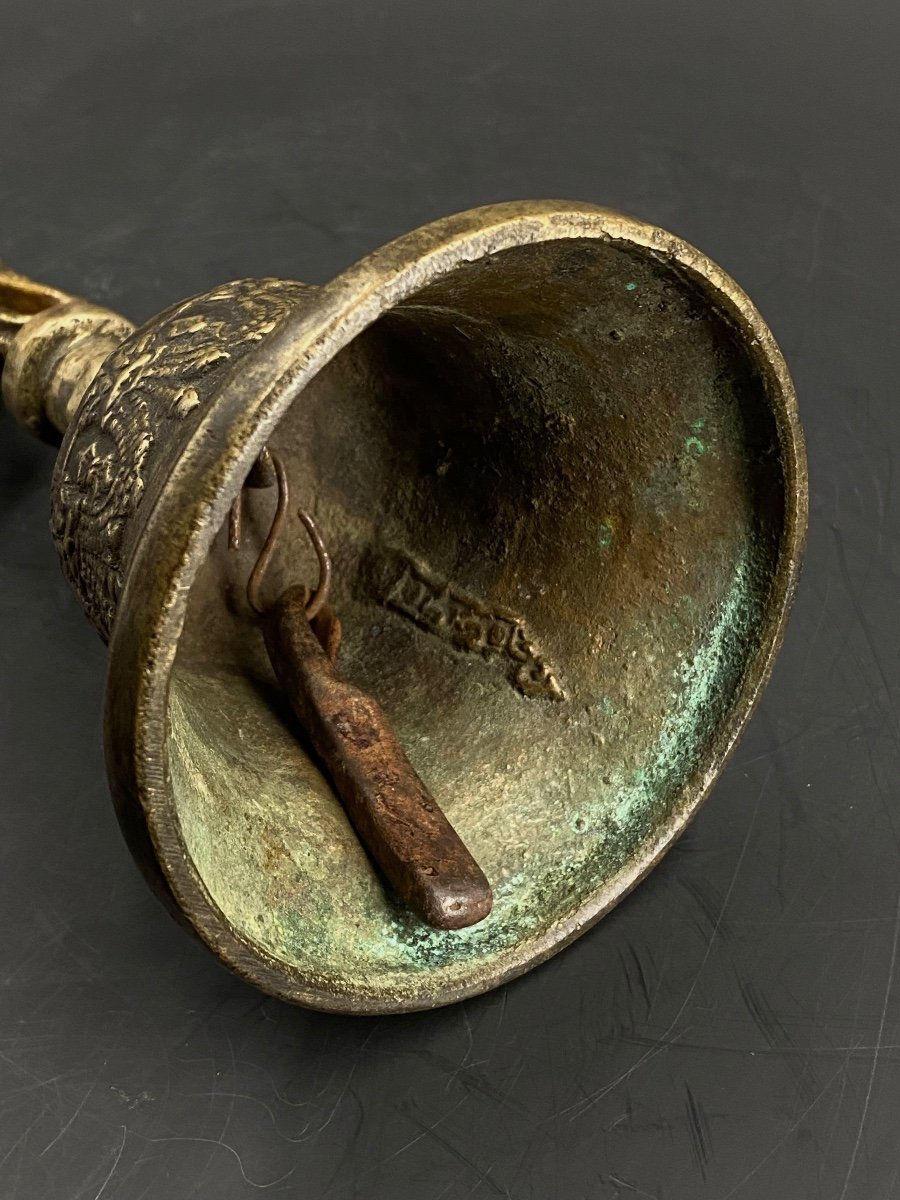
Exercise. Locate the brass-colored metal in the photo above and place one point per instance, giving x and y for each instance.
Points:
(20, 300)
(53, 356)
(558, 457)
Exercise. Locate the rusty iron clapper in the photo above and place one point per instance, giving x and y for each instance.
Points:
(435, 597)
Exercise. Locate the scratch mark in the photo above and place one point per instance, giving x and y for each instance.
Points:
(483, 1175)
(71, 1121)
(816, 241)
(347, 1085)
(642, 978)
(442, 1194)
(582, 1106)
(216, 1095)
(663, 1043)
(424, 1131)
(630, 1187)
(870, 639)
(116, 1160)
(466, 1060)
(764, 1016)
(501, 1017)
(849, 1050)
(19, 1140)
(205, 1141)
(759, 1166)
(699, 1131)
(879, 1041)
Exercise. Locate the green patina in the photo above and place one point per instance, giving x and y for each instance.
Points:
(643, 573)
(605, 535)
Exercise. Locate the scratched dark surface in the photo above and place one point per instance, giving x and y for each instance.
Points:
(733, 1030)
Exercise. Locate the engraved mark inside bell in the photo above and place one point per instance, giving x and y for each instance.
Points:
(554, 455)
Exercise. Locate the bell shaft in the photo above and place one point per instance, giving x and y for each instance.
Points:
(394, 815)
(53, 346)
(20, 300)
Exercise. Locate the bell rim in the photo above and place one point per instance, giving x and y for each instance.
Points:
(194, 504)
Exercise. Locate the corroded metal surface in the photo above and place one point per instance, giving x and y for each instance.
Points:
(556, 453)
(398, 820)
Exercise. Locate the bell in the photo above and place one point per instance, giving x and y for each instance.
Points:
(436, 597)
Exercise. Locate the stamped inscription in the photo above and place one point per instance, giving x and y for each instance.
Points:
(468, 625)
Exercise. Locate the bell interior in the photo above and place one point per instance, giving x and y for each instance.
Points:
(552, 488)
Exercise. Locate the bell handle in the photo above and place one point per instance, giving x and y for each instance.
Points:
(52, 346)
(21, 299)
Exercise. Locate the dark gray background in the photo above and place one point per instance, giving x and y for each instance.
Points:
(733, 1029)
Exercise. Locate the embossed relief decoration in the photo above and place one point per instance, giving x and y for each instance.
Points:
(135, 420)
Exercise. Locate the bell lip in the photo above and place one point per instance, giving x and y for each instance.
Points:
(194, 504)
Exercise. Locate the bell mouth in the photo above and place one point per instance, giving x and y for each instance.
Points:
(561, 479)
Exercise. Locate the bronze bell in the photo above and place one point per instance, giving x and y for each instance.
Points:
(436, 597)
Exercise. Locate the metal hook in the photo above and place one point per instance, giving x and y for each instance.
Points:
(317, 600)
(394, 814)
(262, 475)
(254, 583)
